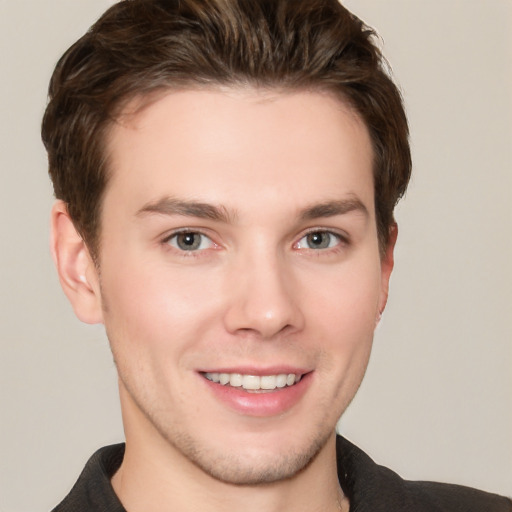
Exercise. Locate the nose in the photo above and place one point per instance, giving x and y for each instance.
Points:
(264, 301)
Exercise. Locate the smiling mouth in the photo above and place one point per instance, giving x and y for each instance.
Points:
(254, 383)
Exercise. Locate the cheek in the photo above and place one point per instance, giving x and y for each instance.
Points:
(347, 302)
(345, 314)
(148, 306)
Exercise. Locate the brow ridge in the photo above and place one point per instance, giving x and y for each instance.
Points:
(188, 208)
(333, 208)
(192, 208)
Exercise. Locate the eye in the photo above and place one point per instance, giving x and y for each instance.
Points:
(319, 240)
(190, 241)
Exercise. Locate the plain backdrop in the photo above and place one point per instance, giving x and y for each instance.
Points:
(437, 399)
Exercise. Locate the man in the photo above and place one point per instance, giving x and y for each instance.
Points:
(225, 175)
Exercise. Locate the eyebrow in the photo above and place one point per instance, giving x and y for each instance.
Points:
(333, 208)
(173, 206)
(190, 208)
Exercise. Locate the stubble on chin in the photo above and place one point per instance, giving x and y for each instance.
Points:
(242, 470)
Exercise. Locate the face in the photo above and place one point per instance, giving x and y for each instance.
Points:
(241, 278)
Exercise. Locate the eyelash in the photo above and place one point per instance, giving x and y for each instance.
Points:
(342, 240)
(183, 252)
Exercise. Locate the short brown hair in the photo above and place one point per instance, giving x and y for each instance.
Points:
(142, 46)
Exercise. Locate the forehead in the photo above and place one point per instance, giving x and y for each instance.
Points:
(237, 142)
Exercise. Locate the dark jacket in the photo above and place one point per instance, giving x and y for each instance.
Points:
(374, 488)
(370, 487)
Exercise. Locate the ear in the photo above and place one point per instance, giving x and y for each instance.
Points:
(386, 266)
(77, 272)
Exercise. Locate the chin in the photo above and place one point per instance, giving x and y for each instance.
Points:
(248, 466)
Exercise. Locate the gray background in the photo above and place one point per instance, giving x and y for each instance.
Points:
(437, 399)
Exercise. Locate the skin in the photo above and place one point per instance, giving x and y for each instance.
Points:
(255, 293)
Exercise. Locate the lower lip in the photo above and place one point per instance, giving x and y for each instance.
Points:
(269, 403)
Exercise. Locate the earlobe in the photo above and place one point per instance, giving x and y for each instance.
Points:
(387, 263)
(77, 273)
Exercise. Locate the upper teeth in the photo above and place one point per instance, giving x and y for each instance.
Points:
(254, 382)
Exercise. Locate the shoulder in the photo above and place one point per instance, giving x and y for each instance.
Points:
(93, 490)
(375, 488)
(449, 497)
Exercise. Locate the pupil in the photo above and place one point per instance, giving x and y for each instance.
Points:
(187, 241)
(318, 240)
